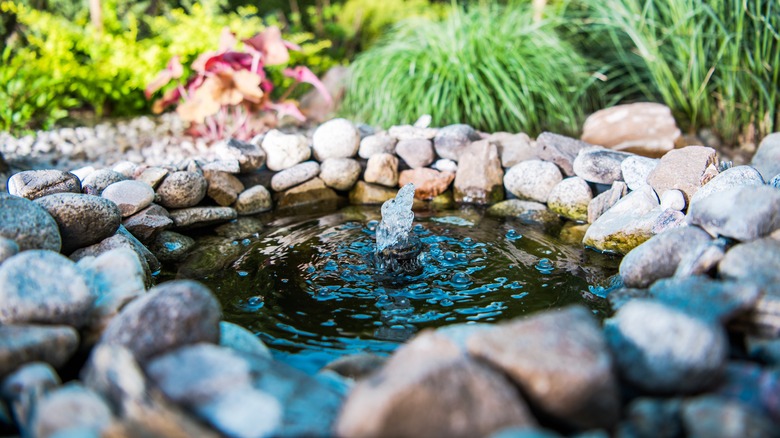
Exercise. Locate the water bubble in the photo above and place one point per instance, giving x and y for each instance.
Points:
(234, 243)
(418, 228)
(446, 302)
(246, 242)
(371, 225)
(513, 235)
(460, 278)
(468, 241)
(242, 273)
(450, 256)
(545, 266)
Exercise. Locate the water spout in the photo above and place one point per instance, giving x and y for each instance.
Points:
(396, 247)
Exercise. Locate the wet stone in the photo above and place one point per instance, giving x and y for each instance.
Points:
(570, 198)
(415, 152)
(599, 165)
(370, 194)
(450, 141)
(738, 176)
(653, 417)
(23, 344)
(643, 128)
(182, 189)
(381, 143)
(241, 340)
(711, 416)
(480, 177)
(71, 410)
(130, 196)
(626, 225)
(340, 173)
(34, 184)
(685, 169)
(529, 211)
(606, 200)
(532, 180)
(311, 193)
(741, 213)
(337, 138)
(767, 157)
(149, 222)
(197, 217)
(707, 299)
(253, 200)
(428, 183)
(756, 261)
(382, 168)
(152, 176)
(635, 170)
(560, 150)
(240, 228)
(150, 262)
(169, 246)
(28, 224)
(8, 249)
(223, 187)
(295, 175)
(83, 220)
(97, 181)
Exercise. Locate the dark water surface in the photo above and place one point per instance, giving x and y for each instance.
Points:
(310, 289)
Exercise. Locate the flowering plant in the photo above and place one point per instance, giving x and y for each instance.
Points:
(230, 85)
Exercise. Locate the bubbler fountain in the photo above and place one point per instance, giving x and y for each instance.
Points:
(396, 247)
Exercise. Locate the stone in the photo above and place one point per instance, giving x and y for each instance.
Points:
(8, 249)
(445, 165)
(452, 140)
(70, 410)
(126, 168)
(150, 262)
(227, 165)
(755, 261)
(685, 169)
(356, 366)
(665, 219)
(514, 148)
(767, 157)
(182, 189)
(599, 165)
(647, 357)
(741, 213)
(652, 417)
(34, 184)
(285, 150)
(24, 344)
(336, 138)
(253, 200)
(112, 372)
(643, 128)
(309, 194)
(415, 152)
(437, 391)
(707, 299)
(152, 176)
(532, 180)
(409, 132)
(605, 200)
(570, 198)
(537, 353)
(250, 156)
(169, 246)
(148, 223)
(241, 340)
(130, 196)
(626, 225)
(370, 194)
(480, 177)
(43, 287)
(197, 217)
(635, 170)
(83, 220)
(295, 175)
(712, 416)
(673, 200)
(382, 168)
(245, 412)
(660, 256)
(97, 181)
(340, 173)
(28, 224)
(241, 228)
(738, 176)
(223, 187)
(560, 150)
(428, 183)
(702, 259)
(525, 211)
(170, 315)
(23, 388)
(380, 143)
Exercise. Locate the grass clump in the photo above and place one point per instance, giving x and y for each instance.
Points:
(492, 67)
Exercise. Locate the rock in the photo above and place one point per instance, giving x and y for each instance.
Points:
(599, 165)
(370, 194)
(28, 224)
(43, 287)
(701, 260)
(253, 200)
(171, 247)
(660, 256)
(526, 211)
(767, 157)
(626, 225)
(240, 228)
(340, 173)
(83, 220)
(71, 410)
(537, 353)
(604, 201)
(382, 168)
(381, 143)
(664, 220)
(560, 150)
(285, 150)
(170, 315)
(197, 217)
(34, 184)
(738, 176)
(635, 170)
(356, 366)
(223, 187)
(690, 361)
(741, 213)
(643, 128)
(23, 388)
(130, 196)
(685, 169)
(714, 417)
(513, 148)
(755, 261)
(250, 156)
(126, 168)
(706, 299)
(227, 165)
(480, 177)
(570, 198)
(415, 152)
(337, 138)
(121, 240)
(148, 223)
(8, 249)
(437, 390)
(182, 189)
(428, 183)
(532, 180)
(97, 181)
(444, 165)
(409, 132)
(673, 200)
(245, 412)
(311, 193)
(153, 176)
(295, 175)
(23, 344)
(651, 417)
(241, 340)
(452, 140)
(754, 386)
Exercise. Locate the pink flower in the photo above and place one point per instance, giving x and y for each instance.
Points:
(173, 70)
(303, 74)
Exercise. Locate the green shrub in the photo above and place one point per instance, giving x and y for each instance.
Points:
(491, 67)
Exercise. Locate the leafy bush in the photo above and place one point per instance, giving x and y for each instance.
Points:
(491, 67)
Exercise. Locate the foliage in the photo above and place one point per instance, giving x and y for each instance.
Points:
(492, 67)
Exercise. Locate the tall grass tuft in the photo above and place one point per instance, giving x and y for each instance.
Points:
(494, 68)
(716, 63)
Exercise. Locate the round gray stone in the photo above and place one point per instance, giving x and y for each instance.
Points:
(532, 179)
(767, 157)
(171, 247)
(285, 150)
(22, 344)
(253, 200)
(599, 165)
(733, 177)
(33, 184)
(743, 213)
(83, 220)
(130, 196)
(340, 173)
(337, 138)
(97, 181)
(451, 140)
(8, 249)
(381, 143)
(298, 174)
(182, 189)
(416, 152)
(28, 224)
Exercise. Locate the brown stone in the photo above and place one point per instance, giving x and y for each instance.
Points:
(685, 169)
(643, 128)
(223, 187)
(428, 182)
(147, 223)
(382, 169)
(480, 177)
(370, 194)
(312, 192)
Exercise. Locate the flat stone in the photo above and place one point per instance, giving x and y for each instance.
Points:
(599, 165)
(738, 176)
(227, 165)
(767, 157)
(149, 222)
(43, 287)
(673, 200)
(285, 150)
(415, 152)
(706, 299)
(741, 213)
(28, 224)
(97, 181)
(253, 200)
(126, 168)
(752, 261)
(23, 344)
(311, 193)
(83, 220)
(643, 128)
(532, 180)
(170, 315)
(197, 217)
(295, 175)
(382, 168)
(340, 173)
(626, 225)
(606, 200)
(480, 177)
(182, 189)
(241, 340)
(685, 169)
(150, 262)
(409, 132)
(660, 255)
(514, 148)
(130, 196)
(635, 170)
(711, 416)
(152, 176)
(647, 357)
(169, 246)
(34, 184)
(450, 141)
(223, 187)
(428, 183)
(525, 211)
(250, 156)
(71, 410)
(370, 194)
(380, 143)
(337, 138)
(537, 353)
(570, 198)
(560, 150)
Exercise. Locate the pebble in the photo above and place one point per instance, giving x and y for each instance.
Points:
(767, 157)
(149, 261)
(450, 141)
(310, 194)
(285, 150)
(570, 198)
(43, 287)
(70, 411)
(253, 200)
(28, 224)
(153, 176)
(295, 175)
(198, 217)
(370, 194)
(738, 176)
(26, 344)
(599, 165)
(741, 213)
(685, 169)
(169, 246)
(130, 196)
(635, 170)
(83, 220)
(182, 189)
(382, 168)
(97, 181)
(241, 340)
(416, 152)
(126, 168)
(644, 128)
(223, 187)
(250, 155)
(514, 148)
(337, 138)
(673, 200)
(380, 143)
(428, 183)
(606, 200)
(560, 150)
(532, 180)
(626, 225)
(479, 179)
(34, 184)
(340, 173)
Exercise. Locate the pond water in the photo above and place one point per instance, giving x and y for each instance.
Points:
(311, 289)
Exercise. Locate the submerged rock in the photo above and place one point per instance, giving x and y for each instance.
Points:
(525, 211)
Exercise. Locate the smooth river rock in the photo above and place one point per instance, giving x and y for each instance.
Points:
(479, 179)
(382, 168)
(250, 155)
(97, 181)
(415, 152)
(285, 150)
(28, 224)
(71, 410)
(733, 177)
(298, 174)
(337, 138)
(130, 196)
(741, 213)
(169, 246)
(452, 140)
(182, 189)
(514, 148)
(706, 299)
(253, 200)
(626, 225)
(643, 128)
(340, 173)
(33, 184)
(570, 198)
(380, 143)
(767, 157)
(635, 170)
(22, 344)
(560, 150)
(223, 187)
(8, 249)
(196, 217)
(83, 220)
(599, 165)
(532, 180)
(755, 261)
(685, 169)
